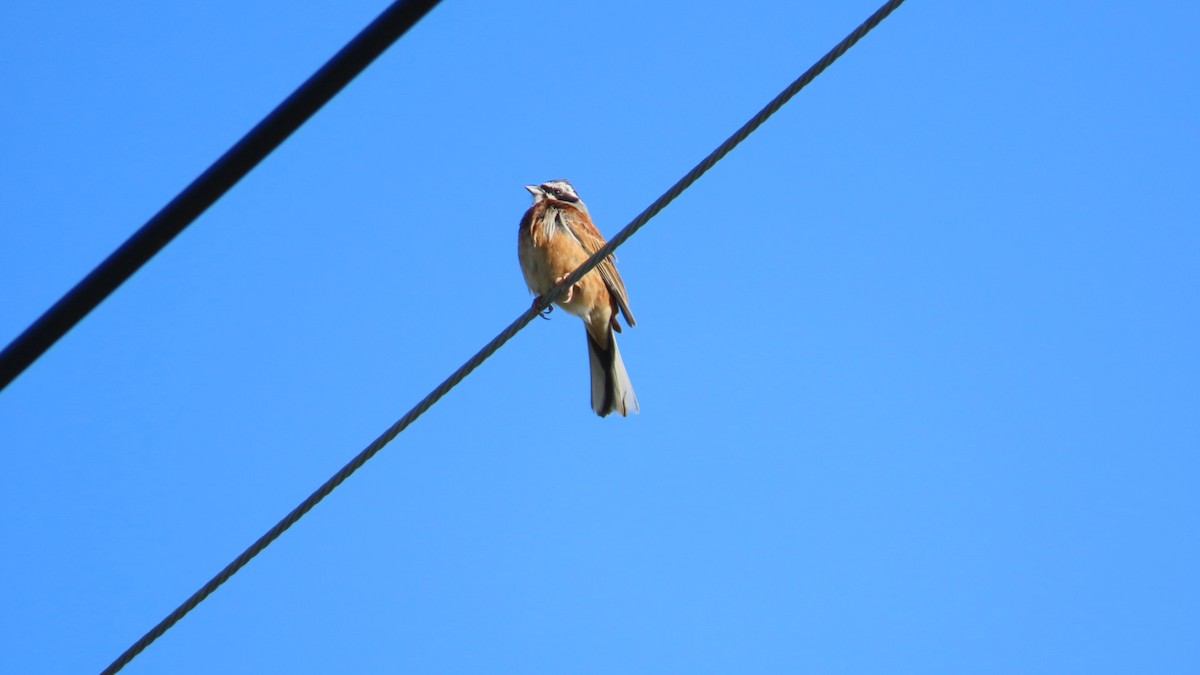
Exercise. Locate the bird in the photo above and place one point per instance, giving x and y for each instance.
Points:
(556, 236)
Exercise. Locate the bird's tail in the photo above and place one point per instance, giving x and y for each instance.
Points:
(611, 388)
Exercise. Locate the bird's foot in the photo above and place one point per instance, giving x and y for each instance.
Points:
(570, 289)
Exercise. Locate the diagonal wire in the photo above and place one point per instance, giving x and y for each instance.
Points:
(729, 144)
(504, 336)
(210, 186)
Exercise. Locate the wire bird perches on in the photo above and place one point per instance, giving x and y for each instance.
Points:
(504, 336)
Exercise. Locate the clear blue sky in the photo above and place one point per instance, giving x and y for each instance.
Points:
(918, 363)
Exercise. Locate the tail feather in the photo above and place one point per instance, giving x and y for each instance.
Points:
(611, 388)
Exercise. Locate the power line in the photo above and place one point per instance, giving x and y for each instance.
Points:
(729, 144)
(210, 186)
(504, 336)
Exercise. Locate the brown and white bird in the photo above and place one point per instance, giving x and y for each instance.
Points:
(556, 236)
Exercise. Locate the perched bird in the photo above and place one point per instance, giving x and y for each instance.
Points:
(556, 236)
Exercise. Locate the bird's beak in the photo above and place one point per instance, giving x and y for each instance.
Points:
(534, 190)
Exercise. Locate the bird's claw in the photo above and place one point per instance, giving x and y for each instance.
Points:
(570, 289)
(543, 311)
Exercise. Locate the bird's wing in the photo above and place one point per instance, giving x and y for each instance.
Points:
(584, 232)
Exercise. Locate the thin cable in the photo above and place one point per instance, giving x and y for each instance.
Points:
(498, 341)
(210, 186)
(729, 144)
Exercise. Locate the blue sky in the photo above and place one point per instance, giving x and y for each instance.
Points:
(917, 362)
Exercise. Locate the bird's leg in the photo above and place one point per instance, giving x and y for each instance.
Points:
(543, 311)
(570, 289)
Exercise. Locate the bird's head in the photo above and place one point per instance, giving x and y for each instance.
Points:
(559, 190)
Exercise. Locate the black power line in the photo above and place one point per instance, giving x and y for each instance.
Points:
(504, 336)
(203, 192)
